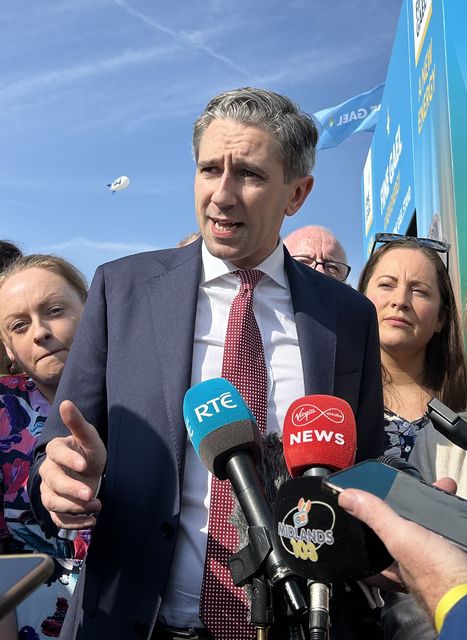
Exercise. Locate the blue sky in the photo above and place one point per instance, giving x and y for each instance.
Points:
(93, 89)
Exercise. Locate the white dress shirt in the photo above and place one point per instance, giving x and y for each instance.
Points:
(272, 306)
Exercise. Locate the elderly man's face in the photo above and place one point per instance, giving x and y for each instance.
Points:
(240, 194)
(322, 247)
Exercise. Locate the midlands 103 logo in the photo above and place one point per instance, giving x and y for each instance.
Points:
(296, 531)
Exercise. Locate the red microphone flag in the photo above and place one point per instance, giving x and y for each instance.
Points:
(319, 431)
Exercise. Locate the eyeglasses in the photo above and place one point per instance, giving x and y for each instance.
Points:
(428, 243)
(333, 269)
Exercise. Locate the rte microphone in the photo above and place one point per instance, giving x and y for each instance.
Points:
(448, 423)
(225, 436)
(323, 542)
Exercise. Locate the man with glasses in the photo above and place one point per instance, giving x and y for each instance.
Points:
(318, 248)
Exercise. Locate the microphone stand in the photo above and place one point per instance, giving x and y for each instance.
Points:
(246, 568)
(318, 591)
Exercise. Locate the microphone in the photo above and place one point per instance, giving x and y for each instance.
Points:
(319, 436)
(401, 465)
(448, 423)
(225, 436)
(323, 542)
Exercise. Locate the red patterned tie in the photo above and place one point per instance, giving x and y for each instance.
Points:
(224, 607)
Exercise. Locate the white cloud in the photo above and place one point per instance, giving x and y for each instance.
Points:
(98, 245)
(53, 79)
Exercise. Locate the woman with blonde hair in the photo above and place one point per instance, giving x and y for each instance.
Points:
(41, 301)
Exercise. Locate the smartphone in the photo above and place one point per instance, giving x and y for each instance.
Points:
(413, 499)
(20, 575)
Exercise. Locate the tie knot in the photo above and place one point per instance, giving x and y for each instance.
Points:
(249, 277)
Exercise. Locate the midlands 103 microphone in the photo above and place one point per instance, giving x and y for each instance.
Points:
(322, 541)
(225, 436)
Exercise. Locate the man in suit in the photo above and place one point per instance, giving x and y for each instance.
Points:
(154, 325)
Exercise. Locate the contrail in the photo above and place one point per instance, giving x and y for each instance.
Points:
(185, 38)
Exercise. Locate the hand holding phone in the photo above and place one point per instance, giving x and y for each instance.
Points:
(413, 499)
(429, 565)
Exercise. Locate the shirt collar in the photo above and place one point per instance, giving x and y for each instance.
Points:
(273, 266)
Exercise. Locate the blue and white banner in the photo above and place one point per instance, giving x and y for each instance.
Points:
(357, 114)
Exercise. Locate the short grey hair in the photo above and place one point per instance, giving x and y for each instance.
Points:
(294, 130)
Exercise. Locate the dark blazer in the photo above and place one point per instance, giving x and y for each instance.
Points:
(128, 371)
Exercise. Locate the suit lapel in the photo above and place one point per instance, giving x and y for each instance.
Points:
(316, 321)
(173, 296)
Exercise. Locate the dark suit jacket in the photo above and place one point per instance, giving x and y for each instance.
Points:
(128, 371)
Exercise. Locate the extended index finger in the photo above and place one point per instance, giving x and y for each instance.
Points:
(79, 427)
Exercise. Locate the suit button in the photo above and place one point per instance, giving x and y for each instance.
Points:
(141, 630)
(167, 529)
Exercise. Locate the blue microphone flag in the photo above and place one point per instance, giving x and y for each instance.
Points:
(210, 405)
(359, 113)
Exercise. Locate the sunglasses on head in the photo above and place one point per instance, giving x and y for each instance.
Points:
(428, 243)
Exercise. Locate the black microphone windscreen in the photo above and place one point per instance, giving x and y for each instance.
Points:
(322, 542)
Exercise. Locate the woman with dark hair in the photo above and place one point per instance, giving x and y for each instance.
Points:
(8, 253)
(422, 357)
(41, 301)
(422, 352)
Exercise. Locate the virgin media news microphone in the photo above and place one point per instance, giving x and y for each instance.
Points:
(225, 436)
(319, 436)
(323, 542)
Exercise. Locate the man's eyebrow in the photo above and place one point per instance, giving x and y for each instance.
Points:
(239, 163)
(254, 168)
(205, 163)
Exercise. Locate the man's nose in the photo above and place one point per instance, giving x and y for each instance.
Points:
(225, 194)
(320, 267)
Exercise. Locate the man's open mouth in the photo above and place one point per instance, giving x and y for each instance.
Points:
(225, 225)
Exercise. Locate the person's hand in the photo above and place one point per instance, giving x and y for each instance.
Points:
(429, 565)
(71, 472)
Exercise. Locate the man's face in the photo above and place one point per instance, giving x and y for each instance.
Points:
(321, 246)
(240, 194)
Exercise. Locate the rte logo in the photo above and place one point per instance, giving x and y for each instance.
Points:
(211, 407)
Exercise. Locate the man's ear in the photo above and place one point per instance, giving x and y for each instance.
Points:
(301, 189)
